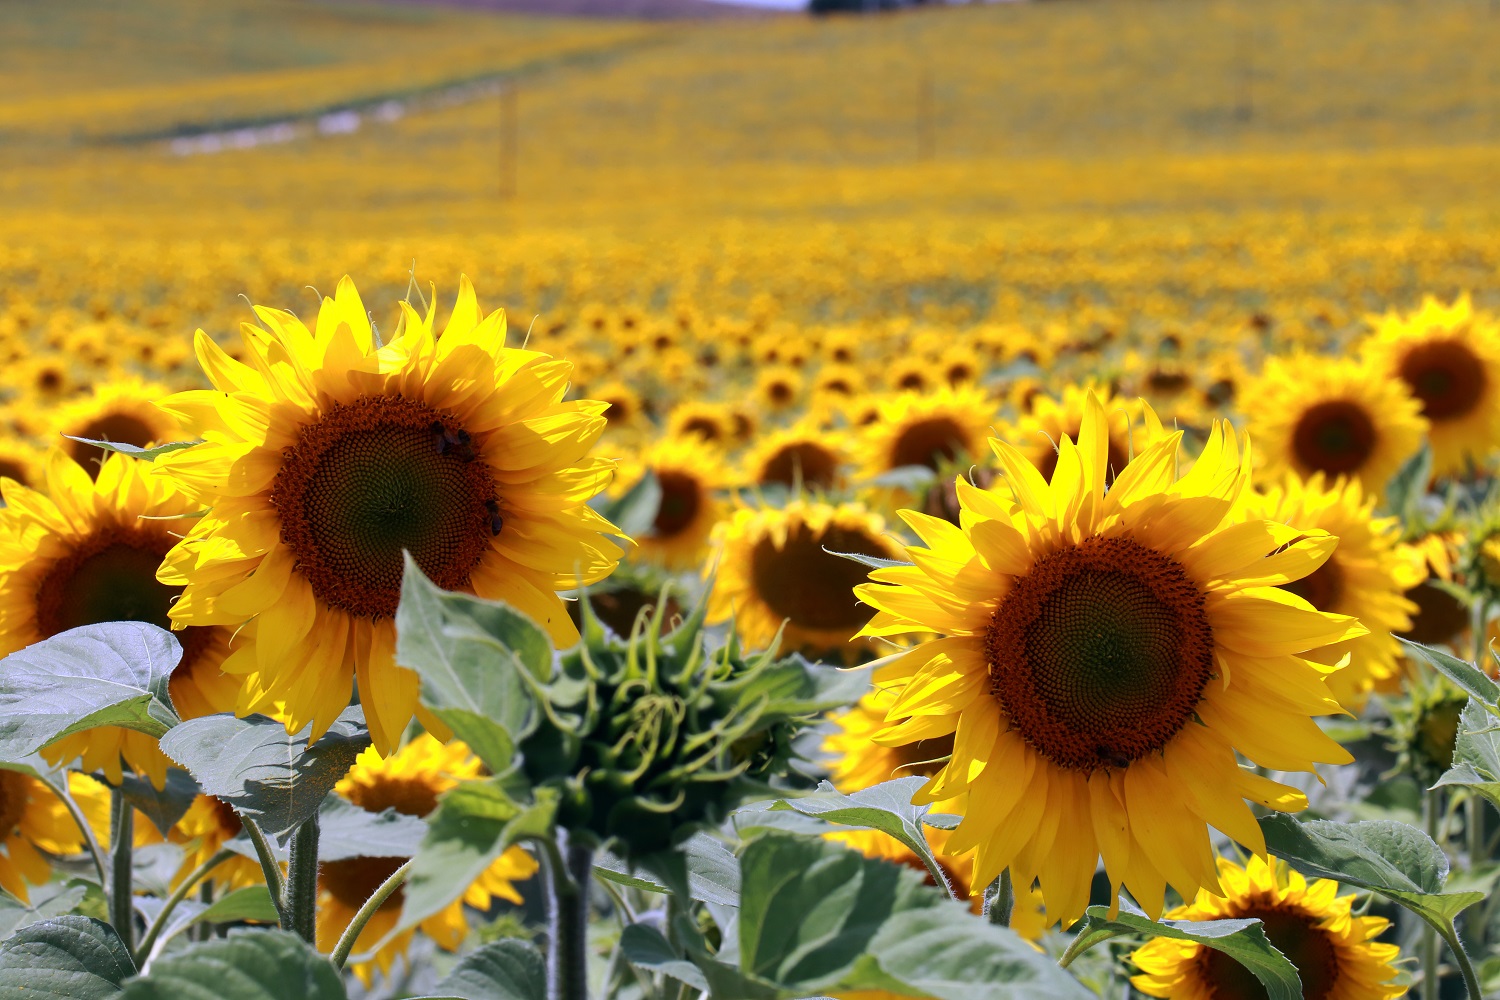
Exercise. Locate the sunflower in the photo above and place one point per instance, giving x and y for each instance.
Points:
(35, 826)
(690, 473)
(1103, 655)
(44, 378)
(931, 430)
(836, 382)
(1449, 359)
(86, 552)
(1039, 432)
(23, 462)
(1335, 952)
(123, 410)
(1440, 616)
(328, 456)
(777, 568)
(207, 826)
(625, 410)
(1316, 414)
(912, 374)
(409, 782)
(806, 454)
(712, 422)
(778, 388)
(1367, 575)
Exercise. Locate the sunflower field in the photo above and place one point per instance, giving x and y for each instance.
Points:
(985, 502)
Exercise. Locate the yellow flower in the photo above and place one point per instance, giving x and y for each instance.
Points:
(931, 430)
(409, 781)
(1103, 655)
(87, 552)
(208, 825)
(1335, 952)
(1366, 576)
(23, 462)
(34, 824)
(690, 473)
(1311, 414)
(776, 567)
(123, 411)
(1039, 432)
(1449, 359)
(806, 454)
(327, 455)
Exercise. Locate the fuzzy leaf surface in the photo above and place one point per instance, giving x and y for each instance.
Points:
(255, 965)
(65, 958)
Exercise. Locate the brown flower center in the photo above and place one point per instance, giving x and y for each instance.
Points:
(228, 821)
(1295, 935)
(11, 469)
(810, 587)
(806, 461)
(1336, 436)
(1446, 376)
(1322, 588)
(352, 881)
(1440, 616)
(929, 442)
(924, 757)
(15, 794)
(374, 477)
(120, 428)
(681, 499)
(408, 796)
(1100, 653)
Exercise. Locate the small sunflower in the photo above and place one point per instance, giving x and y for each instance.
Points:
(838, 382)
(207, 826)
(1367, 576)
(409, 782)
(87, 552)
(1449, 359)
(778, 388)
(806, 454)
(776, 567)
(690, 473)
(624, 408)
(1334, 951)
(912, 374)
(712, 422)
(1314, 414)
(328, 456)
(34, 827)
(1103, 656)
(1441, 616)
(23, 462)
(931, 430)
(1039, 432)
(123, 410)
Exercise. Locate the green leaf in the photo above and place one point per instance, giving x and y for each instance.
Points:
(251, 902)
(163, 808)
(52, 899)
(501, 970)
(114, 674)
(1398, 861)
(473, 825)
(646, 948)
(713, 872)
(1470, 679)
(1476, 754)
(1405, 490)
(475, 658)
(65, 958)
(135, 451)
(635, 512)
(885, 807)
(811, 908)
(254, 965)
(264, 773)
(1244, 941)
(347, 831)
(907, 477)
(872, 562)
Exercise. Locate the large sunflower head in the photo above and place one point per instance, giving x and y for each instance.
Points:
(408, 782)
(123, 411)
(777, 569)
(934, 430)
(1103, 655)
(35, 826)
(691, 475)
(328, 454)
(86, 551)
(1311, 413)
(1366, 576)
(1334, 951)
(1449, 359)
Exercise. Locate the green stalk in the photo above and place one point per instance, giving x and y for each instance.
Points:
(1474, 807)
(1431, 957)
(121, 866)
(377, 899)
(95, 851)
(567, 881)
(178, 895)
(300, 903)
(1000, 900)
(270, 868)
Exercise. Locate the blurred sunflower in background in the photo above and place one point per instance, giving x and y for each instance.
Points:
(1040, 430)
(928, 430)
(1448, 357)
(776, 570)
(409, 782)
(1311, 414)
(807, 454)
(87, 551)
(123, 411)
(326, 457)
(1334, 951)
(207, 826)
(691, 475)
(1102, 657)
(35, 826)
(1367, 576)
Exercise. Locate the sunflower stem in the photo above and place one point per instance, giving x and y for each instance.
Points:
(270, 868)
(1000, 900)
(301, 900)
(568, 869)
(62, 791)
(121, 866)
(387, 889)
(178, 895)
(1431, 957)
